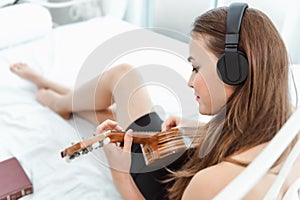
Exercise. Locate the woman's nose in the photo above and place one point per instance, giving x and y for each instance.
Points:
(191, 81)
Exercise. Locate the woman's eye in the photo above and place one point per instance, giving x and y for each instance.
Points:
(195, 69)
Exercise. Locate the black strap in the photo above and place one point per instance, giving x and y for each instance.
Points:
(234, 19)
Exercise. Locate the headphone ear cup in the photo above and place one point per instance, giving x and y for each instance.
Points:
(224, 72)
(221, 68)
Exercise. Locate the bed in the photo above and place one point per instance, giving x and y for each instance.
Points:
(35, 135)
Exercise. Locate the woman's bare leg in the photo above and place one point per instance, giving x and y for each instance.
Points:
(91, 101)
(57, 90)
(124, 86)
(121, 85)
(24, 71)
(97, 117)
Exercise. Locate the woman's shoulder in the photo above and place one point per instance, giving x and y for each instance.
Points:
(208, 182)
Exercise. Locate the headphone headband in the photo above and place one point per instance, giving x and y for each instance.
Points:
(233, 24)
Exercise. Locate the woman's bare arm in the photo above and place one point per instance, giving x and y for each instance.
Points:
(126, 186)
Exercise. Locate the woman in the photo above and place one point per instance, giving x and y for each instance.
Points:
(255, 110)
(247, 116)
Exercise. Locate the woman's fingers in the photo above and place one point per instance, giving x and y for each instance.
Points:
(170, 123)
(128, 138)
(119, 158)
(108, 125)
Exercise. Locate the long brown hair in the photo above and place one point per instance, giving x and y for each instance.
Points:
(257, 109)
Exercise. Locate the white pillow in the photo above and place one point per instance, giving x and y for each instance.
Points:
(23, 22)
(4, 3)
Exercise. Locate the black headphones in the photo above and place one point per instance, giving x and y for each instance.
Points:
(232, 66)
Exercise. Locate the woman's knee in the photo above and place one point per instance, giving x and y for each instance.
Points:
(121, 69)
(124, 73)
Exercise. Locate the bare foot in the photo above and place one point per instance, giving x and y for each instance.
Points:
(52, 100)
(24, 71)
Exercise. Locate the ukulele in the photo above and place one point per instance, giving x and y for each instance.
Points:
(154, 145)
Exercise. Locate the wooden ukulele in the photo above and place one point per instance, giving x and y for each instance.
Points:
(155, 145)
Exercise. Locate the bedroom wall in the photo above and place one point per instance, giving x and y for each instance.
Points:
(178, 15)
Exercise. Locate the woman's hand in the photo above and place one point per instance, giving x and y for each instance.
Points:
(171, 122)
(175, 121)
(108, 125)
(119, 158)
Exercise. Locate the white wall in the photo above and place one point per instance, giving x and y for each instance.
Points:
(275, 9)
(137, 12)
(291, 31)
(178, 15)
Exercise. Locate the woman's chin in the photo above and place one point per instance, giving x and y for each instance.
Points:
(204, 111)
(208, 110)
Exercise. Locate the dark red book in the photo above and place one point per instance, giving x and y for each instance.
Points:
(14, 183)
